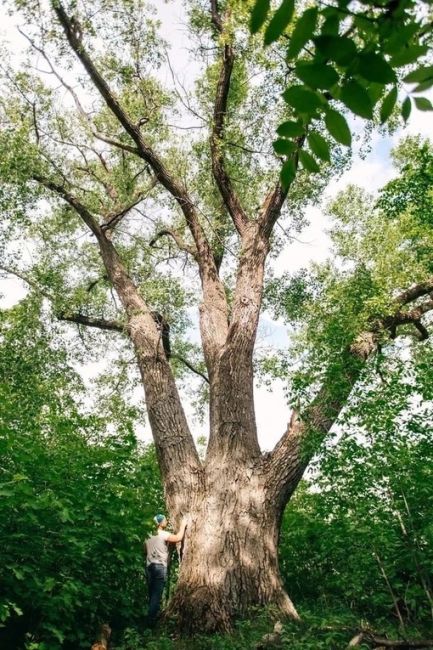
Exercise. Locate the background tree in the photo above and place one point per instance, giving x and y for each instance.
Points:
(96, 180)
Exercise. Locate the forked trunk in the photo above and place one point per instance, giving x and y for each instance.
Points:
(229, 561)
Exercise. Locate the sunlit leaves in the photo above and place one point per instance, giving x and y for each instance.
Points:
(388, 105)
(338, 127)
(319, 146)
(279, 21)
(353, 66)
(303, 31)
(80, 494)
(259, 14)
(317, 75)
(356, 98)
(302, 99)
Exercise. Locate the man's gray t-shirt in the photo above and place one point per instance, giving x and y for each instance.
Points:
(157, 549)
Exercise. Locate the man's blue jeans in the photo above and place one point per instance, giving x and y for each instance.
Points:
(156, 578)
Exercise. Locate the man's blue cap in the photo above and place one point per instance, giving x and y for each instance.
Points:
(159, 519)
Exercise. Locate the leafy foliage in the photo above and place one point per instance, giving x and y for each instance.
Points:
(380, 246)
(374, 489)
(349, 56)
(76, 499)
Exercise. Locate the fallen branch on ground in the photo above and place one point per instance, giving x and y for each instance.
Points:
(377, 641)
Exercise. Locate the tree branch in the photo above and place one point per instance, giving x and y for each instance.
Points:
(77, 317)
(215, 16)
(414, 292)
(407, 317)
(31, 283)
(99, 323)
(214, 309)
(181, 244)
(173, 440)
(113, 218)
(177, 190)
(79, 207)
(223, 181)
(271, 209)
(190, 367)
(366, 636)
(80, 108)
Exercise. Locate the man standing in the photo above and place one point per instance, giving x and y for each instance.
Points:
(157, 561)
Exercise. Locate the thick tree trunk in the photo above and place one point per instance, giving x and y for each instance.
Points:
(229, 561)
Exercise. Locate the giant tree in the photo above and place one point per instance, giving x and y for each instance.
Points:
(109, 196)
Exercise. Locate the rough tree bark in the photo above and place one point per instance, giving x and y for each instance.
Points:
(234, 500)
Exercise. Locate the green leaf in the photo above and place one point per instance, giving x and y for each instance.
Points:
(374, 67)
(375, 91)
(279, 21)
(64, 515)
(399, 38)
(408, 55)
(18, 611)
(290, 129)
(421, 74)
(425, 85)
(319, 146)
(19, 575)
(304, 30)
(338, 127)
(332, 21)
(340, 49)
(259, 14)
(406, 108)
(357, 99)
(308, 162)
(317, 75)
(388, 105)
(288, 173)
(284, 147)
(302, 99)
(423, 104)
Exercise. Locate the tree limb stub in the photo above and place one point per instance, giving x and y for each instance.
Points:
(378, 641)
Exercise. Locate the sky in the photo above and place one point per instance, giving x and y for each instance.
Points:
(370, 173)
